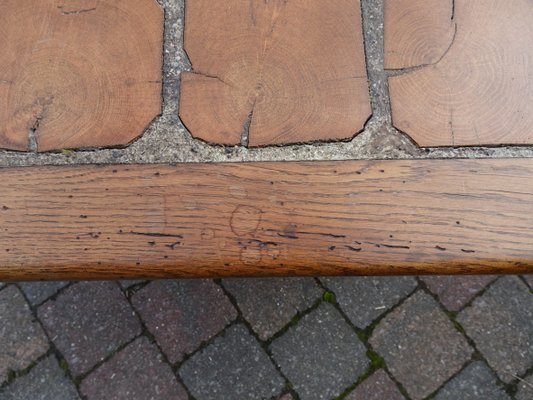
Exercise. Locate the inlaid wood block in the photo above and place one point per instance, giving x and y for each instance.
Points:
(78, 73)
(469, 70)
(274, 72)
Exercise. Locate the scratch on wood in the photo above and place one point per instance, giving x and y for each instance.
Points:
(169, 235)
(356, 249)
(173, 245)
(75, 12)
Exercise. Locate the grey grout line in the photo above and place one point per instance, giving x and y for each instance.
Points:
(53, 296)
(146, 332)
(263, 344)
(293, 322)
(80, 378)
(367, 333)
(14, 375)
(476, 355)
(481, 292)
(469, 302)
(202, 346)
(378, 77)
(374, 59)
(52, 350)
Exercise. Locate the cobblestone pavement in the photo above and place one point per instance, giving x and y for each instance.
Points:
(456, 338)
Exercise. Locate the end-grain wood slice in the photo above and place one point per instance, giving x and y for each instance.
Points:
(470, 70)
(78, 73)
(267, 219)
(274, 72)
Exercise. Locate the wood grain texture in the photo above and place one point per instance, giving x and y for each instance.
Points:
(274, 72)
(469, 79)
(417, 34)
(267, 219)
(78, 73)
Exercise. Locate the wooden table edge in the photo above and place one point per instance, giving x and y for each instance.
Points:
(208, 220)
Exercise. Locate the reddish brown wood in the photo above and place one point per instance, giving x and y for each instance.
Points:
(267, 219)
(78, 73)
(469, 78)
(274, 72)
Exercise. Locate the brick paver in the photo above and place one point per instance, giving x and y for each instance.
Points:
(269, 304)
(88, 321)
(455, 292)
(22, 339)
(233, 367)
(321, 356)
(379, 386)
(45, 381)
(312, 353)
(183, 314)
(37, 292)
(475, 382)
(501, 324)
(525, 389)
(363, 299)
(420, 345)
(135, 373)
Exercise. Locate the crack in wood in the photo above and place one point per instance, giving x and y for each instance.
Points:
(75, 12)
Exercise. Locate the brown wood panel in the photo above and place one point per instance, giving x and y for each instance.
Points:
(469, 78)
(78, 73)
(274, 72)
(266, 219)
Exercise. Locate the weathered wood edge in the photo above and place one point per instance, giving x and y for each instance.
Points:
(267, 219)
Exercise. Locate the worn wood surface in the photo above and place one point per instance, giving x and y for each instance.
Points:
(274, 72)
(78, 73)
(469, 70)
(265, 219)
